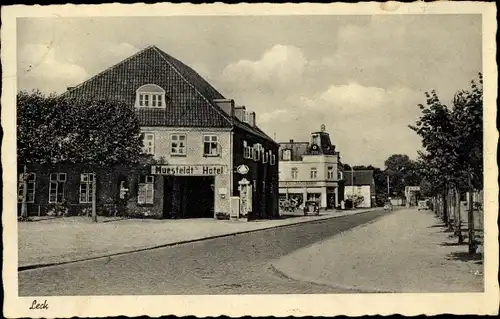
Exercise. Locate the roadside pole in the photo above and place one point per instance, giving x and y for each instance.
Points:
(24, 205)
(94, 200)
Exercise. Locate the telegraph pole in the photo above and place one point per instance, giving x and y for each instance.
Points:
(352, 186)
(388, 188)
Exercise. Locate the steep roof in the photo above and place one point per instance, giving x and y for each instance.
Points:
(361, 178)
(189, 96)
(364, 177)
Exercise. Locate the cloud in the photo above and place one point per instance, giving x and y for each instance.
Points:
(118, 52)
(39, 69)
(354, 98)
(279, 66)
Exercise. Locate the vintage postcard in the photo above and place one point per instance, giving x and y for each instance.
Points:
(250, 159)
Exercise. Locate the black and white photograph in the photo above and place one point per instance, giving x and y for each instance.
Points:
(249, 159)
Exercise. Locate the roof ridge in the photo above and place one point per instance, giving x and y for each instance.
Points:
(161, 52)
(110, 68)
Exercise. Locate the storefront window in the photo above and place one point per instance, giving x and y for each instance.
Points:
(313, 196)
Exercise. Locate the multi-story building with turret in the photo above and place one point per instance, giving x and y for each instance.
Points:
(311, 171)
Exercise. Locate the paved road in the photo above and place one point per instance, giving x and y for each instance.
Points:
(230, 265)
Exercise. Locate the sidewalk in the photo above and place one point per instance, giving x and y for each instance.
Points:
(406, 251)
(62, 240)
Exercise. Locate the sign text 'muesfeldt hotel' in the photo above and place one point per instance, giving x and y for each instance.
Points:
(187, 170)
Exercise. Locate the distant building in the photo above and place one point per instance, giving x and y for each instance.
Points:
(310, 171)
(360, 183)
(201, 136)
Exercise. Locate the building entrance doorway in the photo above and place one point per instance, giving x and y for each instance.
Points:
(188, 197)
(331, 201)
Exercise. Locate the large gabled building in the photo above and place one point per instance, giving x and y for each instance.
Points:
(200, 136)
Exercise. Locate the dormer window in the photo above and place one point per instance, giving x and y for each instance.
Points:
(315, 139)
(150, 95)
(258, 151)
(287, 155)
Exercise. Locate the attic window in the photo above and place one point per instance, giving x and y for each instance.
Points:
(150, 95)
(287, 155)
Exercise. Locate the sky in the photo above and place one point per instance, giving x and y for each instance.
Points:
(360, 76)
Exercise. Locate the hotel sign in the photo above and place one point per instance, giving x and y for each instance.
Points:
(188, 170)
(298, 183)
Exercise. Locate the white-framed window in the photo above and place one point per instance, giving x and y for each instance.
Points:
(150, 95)
(145, 190)
(86, 187)
(315, 139)
(341, 175)
(56, 187)
(295, 172)
(314, 172)
(178, 144)
(265, 157)
(272, 158)
(148, 142)
(247, 151)
(330, 173)
(210, 145)
(287, 155)
(258, 152)
(31, 183)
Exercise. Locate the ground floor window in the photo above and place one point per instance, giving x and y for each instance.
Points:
(30, 194)
(145, 193)
(86, 187)
(313, 196)
(56, 187)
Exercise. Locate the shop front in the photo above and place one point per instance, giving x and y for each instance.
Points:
(325, 193)
(193, 191)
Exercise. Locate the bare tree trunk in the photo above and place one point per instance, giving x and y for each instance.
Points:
(94, 200)
(445, 208)
(459, 216)
(24, 205)
(470, 223)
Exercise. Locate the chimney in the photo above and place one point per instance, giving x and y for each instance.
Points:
(239, 112)
(291, 141)
(251, 119)
(227, 105)
(70, 88)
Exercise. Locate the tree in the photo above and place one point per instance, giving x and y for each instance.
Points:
(402, 171)
(61, 130)
(452, 139)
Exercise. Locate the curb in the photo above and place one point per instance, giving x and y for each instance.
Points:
(44, 265)
(333, 286)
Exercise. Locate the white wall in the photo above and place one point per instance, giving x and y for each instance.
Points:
(194, 155)
(363, 191)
